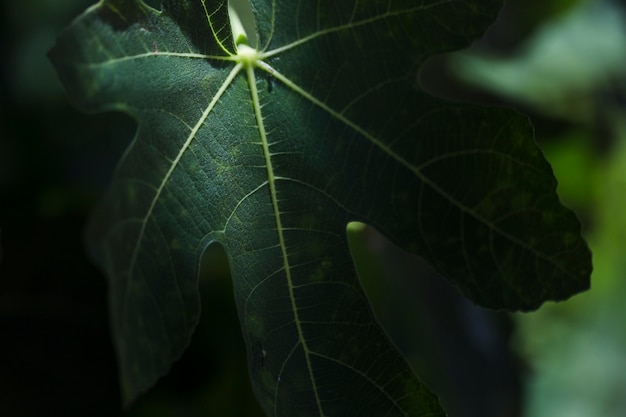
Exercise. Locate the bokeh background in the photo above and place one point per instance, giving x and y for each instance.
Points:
(563, 62)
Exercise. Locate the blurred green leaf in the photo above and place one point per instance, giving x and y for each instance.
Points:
(575, 164)
(562, 67)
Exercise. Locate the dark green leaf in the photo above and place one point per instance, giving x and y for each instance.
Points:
(271, 154)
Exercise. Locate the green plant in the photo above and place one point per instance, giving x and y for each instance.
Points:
(267, 130)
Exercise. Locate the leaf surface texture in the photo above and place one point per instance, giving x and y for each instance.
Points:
(271, 157)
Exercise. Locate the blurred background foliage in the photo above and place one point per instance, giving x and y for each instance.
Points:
(570, 74)
(563, 62)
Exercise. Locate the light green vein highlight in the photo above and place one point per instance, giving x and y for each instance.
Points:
(271, 180)
(386, 149)
(209, 18)
(351, 25)
(153, 54)
(144, 222)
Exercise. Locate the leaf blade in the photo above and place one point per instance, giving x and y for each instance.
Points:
(271, 174)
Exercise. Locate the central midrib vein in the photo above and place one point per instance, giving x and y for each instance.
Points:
(271, 180)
